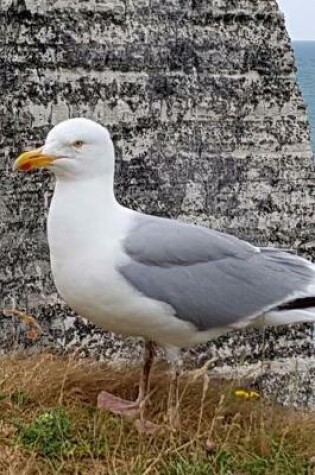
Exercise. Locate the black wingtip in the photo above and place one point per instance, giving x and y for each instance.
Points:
(298, 304)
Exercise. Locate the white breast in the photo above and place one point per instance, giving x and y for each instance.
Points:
(97, 291)
(86, 250)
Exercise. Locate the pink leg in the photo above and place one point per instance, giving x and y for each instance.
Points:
(144, 387)
(117, 405)
(173, 400)
(123, 407)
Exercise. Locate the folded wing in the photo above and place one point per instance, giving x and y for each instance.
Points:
(211, 279)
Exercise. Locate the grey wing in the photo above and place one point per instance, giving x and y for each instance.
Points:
(211, 279)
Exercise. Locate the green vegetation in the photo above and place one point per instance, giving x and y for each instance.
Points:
(48, 433)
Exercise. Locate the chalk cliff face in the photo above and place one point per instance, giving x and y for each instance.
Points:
(208, 122)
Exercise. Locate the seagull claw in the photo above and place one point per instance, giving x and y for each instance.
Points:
(116, 405)
(129, 410)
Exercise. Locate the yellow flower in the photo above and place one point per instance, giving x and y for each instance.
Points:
(246, 393)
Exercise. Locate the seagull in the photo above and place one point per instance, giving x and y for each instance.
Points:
(172, 283)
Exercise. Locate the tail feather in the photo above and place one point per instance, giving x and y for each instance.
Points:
(287, 317)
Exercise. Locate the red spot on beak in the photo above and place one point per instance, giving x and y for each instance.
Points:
(26, 166)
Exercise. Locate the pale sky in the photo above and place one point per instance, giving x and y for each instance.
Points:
(300, 18)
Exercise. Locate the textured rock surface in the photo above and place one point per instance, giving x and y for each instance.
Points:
(208, 123)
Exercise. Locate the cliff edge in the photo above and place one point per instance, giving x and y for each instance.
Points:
(209, 126)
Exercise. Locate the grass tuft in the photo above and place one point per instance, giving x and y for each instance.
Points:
(48, 433)
(187, 466)
(20, 398)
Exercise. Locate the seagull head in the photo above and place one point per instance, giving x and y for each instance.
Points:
(78, 148)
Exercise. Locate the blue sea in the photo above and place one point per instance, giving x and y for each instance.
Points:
(305, 61)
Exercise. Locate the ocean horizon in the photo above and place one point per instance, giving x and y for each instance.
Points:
(305, 62)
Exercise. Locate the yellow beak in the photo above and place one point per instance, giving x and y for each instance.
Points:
(33, 159)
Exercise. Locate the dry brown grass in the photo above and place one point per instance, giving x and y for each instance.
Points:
(246, 437)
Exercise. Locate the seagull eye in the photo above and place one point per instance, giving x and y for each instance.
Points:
(78, 144)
